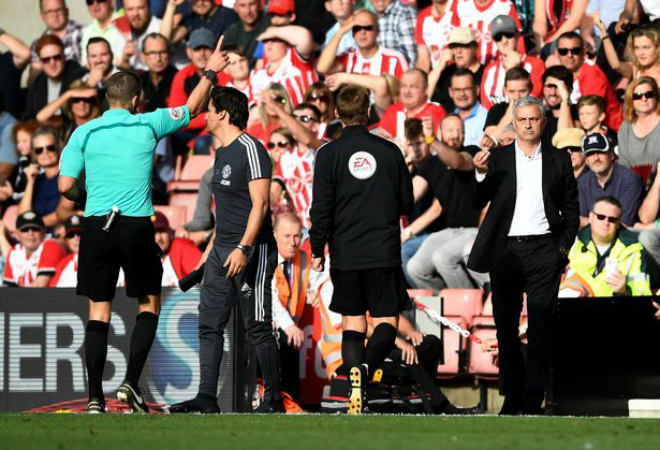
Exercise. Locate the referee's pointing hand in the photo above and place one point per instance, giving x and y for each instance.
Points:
(236, 262)
(218, 59)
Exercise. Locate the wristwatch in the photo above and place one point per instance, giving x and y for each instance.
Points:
(211, 75)
(244, 248)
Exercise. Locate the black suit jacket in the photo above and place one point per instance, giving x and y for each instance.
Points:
(37, 95)
(560, 200)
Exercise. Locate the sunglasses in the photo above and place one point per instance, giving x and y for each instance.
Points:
(320, 97)
(576, 51)
(647, 95)
(81, 100)
(28, 229)
(51, 148)
(91, 2)
(72, 234)
(305, 119)
(498, 37)
(610, 219)
(357, 28)
(281, 144)
(281, 100)
(54, 58)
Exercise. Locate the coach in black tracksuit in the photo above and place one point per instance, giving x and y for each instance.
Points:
(361, 188)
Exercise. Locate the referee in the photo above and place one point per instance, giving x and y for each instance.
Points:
(361, 188)
(116, 151)
(241, 259)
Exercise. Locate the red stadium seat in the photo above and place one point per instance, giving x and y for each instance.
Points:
(466, 303)
(187, 178)
(176, 214)
(453, 345)
(481, 362)
(187, 200)
(9, 218)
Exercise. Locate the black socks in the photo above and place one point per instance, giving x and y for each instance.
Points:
(352, 348)
(141, 340)
(96, 350)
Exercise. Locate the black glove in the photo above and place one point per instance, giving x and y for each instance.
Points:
(192, 278)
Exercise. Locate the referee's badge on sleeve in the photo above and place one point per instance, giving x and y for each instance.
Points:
(362, 165)
(176, 113)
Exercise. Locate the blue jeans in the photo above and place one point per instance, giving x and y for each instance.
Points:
(408, 250)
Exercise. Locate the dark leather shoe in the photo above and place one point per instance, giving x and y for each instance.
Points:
(196, 405)
(511, 407)
(531, 403)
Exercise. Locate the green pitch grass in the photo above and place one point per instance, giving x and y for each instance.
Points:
(319, 432)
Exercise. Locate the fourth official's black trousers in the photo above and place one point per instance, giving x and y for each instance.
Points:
(531, 265)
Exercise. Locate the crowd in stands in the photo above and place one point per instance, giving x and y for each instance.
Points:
(443, 76)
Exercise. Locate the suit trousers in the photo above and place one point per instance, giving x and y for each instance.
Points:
(533, 267)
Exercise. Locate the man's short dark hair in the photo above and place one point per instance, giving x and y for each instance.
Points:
(353, 105)
(517, 73)
(234, 48)
(462, 72)
(122, 87)
(97, 40)
(413, 128)
(233, 102)
(561, 73)
(571, 35)
(607, 199)
(155, 35)
(312, 108)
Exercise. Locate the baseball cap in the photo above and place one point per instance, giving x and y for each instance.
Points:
(202, 37)
(570, 137)
(73, 223)
(595, 142)
(29, 219)
(502, 24)
(160, 221)
(461, 36)
(281, 7)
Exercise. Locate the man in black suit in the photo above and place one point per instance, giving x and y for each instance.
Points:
(523, 242)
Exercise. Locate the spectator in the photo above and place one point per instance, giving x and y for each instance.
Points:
(103, 26)
(465, 93)
(517, 84)
(12, 63)
(239, 72)
(649, 219)
(639, 136)
(282, 12)
(204, 14)
(99, 63)
(66, 272)
(179, 256)
(281, 141)
(642, 49)
(294, 287)
(570, 140)
(440, 260)
(244, 32)
(8, 157)
(396, 22)
(588, 78)
(341, 10)
(414, 103)
(320, 96)
(505, 34)
(478, 15)
(591, 113)
(31, 262)
(560, 113)
(137, 23)
(462, 51)
(607, 177)
(41, 193)
(370, 57)
(433, 27)
(606, 259)
(80, 105)
(286, 53)
(268, 117)
(200, 228)
(56, 77)
(425, 216)
(157, 80)
(551, 20)
(55, 15)
(22, 136)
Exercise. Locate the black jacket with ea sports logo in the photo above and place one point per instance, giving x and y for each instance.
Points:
(361, 189)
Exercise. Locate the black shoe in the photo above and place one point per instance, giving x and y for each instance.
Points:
(95, 406)
(510, 407)
(130, 395)
(196, 405)
(270, 408)
(357, 401)
(455, 410)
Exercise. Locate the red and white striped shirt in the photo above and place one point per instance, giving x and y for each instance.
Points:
(395, 116)
(23, 268)
(383, 61)
(433, 32)
(294, 73)
(296, 169)
(471, 15)
(492, 80)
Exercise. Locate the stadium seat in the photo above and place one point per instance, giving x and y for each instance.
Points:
(187, 200)
(9, 218)
(176, 214)
(453, 345)
(412, 293)
(466, 303)
(481, 362)
(187, 178)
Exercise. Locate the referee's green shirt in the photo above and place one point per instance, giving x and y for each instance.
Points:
(117, 153)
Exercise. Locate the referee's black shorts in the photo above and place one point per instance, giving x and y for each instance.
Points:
(130, 245)
(382, 292)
